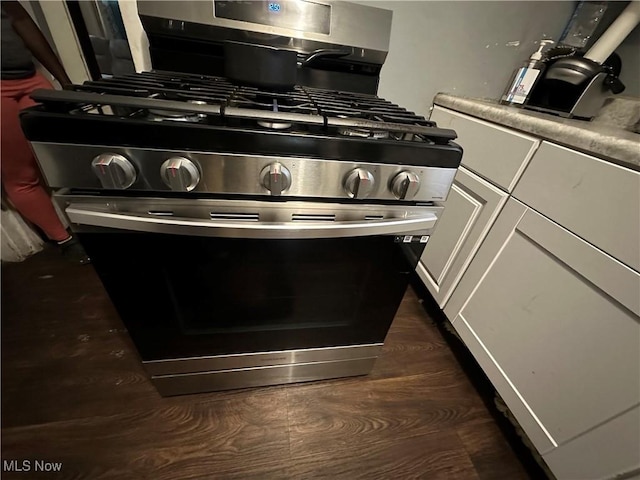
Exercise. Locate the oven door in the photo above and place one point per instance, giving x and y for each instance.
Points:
(217, 278)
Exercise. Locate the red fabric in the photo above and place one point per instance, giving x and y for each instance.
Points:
(20, 174)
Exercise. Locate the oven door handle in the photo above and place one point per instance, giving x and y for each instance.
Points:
(242, 229)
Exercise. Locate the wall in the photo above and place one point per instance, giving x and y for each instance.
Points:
(462, 47)
(629, 52)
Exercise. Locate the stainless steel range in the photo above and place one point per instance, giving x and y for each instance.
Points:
(247, 235)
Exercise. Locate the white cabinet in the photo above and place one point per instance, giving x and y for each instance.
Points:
(609, 450)
(597, 200)
(470, 210)
(544, 290)
(497, 154)
(554, 322)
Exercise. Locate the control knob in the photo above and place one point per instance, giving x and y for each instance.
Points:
(180, 174)
(114, 171)
(359, 183)
(276, 178)
(405, 185)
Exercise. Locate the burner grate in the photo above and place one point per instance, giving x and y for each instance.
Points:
(202, 99)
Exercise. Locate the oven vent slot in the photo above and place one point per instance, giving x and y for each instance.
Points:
(313, 217)
(245, 217)
(161, 213)
(373, 217)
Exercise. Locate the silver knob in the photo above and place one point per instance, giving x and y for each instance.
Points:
(114, 171)
(405, 185)
(359, 183)
(180, 174)
(276, 178)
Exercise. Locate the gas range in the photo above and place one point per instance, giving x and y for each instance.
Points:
(248, 236)
(165, 131)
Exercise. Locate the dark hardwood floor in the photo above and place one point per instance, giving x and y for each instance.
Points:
(73, 391)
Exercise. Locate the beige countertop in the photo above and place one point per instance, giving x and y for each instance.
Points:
(608, 142)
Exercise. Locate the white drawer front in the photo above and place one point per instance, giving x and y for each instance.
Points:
(495, 153)
(597, 200)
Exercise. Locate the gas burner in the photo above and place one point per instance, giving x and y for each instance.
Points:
(363, 133)
(380, 134)
(198, 102)
(274, 125)
(158, 115)
(407, 137)
(274, 106)
(162, 116)
(168, 116)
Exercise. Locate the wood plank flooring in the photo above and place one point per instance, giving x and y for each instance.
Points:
(73, 391)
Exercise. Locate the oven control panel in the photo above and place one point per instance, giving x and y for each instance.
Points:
(142, 169)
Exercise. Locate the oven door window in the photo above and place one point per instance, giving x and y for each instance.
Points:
(191, 296)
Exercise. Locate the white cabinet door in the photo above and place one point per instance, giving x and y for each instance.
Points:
(495, 153)
(611, 450)
(554, 322)
(470, 210)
